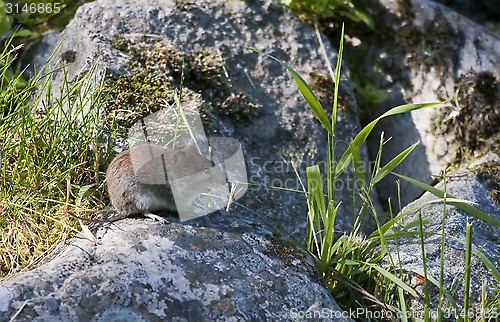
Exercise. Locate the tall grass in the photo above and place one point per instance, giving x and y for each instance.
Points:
(52, 154)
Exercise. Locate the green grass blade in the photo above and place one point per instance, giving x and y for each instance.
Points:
(493, 269)
(359, 170)
(467, 268)
(358, 15)
(427, 298)
(396, 280)
(402, 304)
(378, 158)
(306, 92)
(385, 227)
(81, 193)
(315, 189)
(400, 235)
(459, 204)
(382, 173)
(447, 293)
(337, 80)
(363, 134)
(407, 108)
(343, 162)
(317, 212)
(354, 145)
(442, 252)
(327, 249)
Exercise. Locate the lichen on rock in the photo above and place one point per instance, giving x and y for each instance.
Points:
(472, 115)
(159, 73)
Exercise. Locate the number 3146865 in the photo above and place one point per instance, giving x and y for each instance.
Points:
(33, 7)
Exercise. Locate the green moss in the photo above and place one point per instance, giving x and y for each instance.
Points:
(159, 72)
(323, 87)
(120, 42)
(140, 92)
(185, 5)
(405, 9)
(472, 116)
(434, 46)
(69, 56)
(324, 90)
(347, 10)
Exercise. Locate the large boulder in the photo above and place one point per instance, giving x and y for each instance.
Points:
(225, 265)
(479, 184)
(423, 51)
(484, 12)
(140, 271)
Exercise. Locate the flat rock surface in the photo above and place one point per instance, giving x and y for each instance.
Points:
(145, 271)
(475, 185)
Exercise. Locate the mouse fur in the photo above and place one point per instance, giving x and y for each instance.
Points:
(138, 182)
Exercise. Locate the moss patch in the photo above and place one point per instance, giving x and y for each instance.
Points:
(159, 73)
(473, 115)
(324, 90)
(434, 46)
(69, 56)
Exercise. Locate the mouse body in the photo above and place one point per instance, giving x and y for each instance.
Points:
(139, 179)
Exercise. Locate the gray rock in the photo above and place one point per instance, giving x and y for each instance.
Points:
(284, 131)
(425, 52)
(143, 271)
(478, 184)
(484, 12)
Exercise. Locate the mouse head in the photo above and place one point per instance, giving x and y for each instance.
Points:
(188, 163)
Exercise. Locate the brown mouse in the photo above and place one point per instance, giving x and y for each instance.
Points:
(138, 180)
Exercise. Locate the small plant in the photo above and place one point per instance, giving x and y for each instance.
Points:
(20, 24)
(336, 9)
(11, 83)
(6, 26)
(349, 262)
(370, 93)
(29, 19)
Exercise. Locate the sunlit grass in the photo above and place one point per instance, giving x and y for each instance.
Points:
(52, 152)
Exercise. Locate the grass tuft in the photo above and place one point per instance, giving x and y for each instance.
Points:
(51, 152)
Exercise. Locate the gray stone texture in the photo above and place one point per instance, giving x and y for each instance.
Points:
(473, 184)
(421, 52)
(140, 271)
